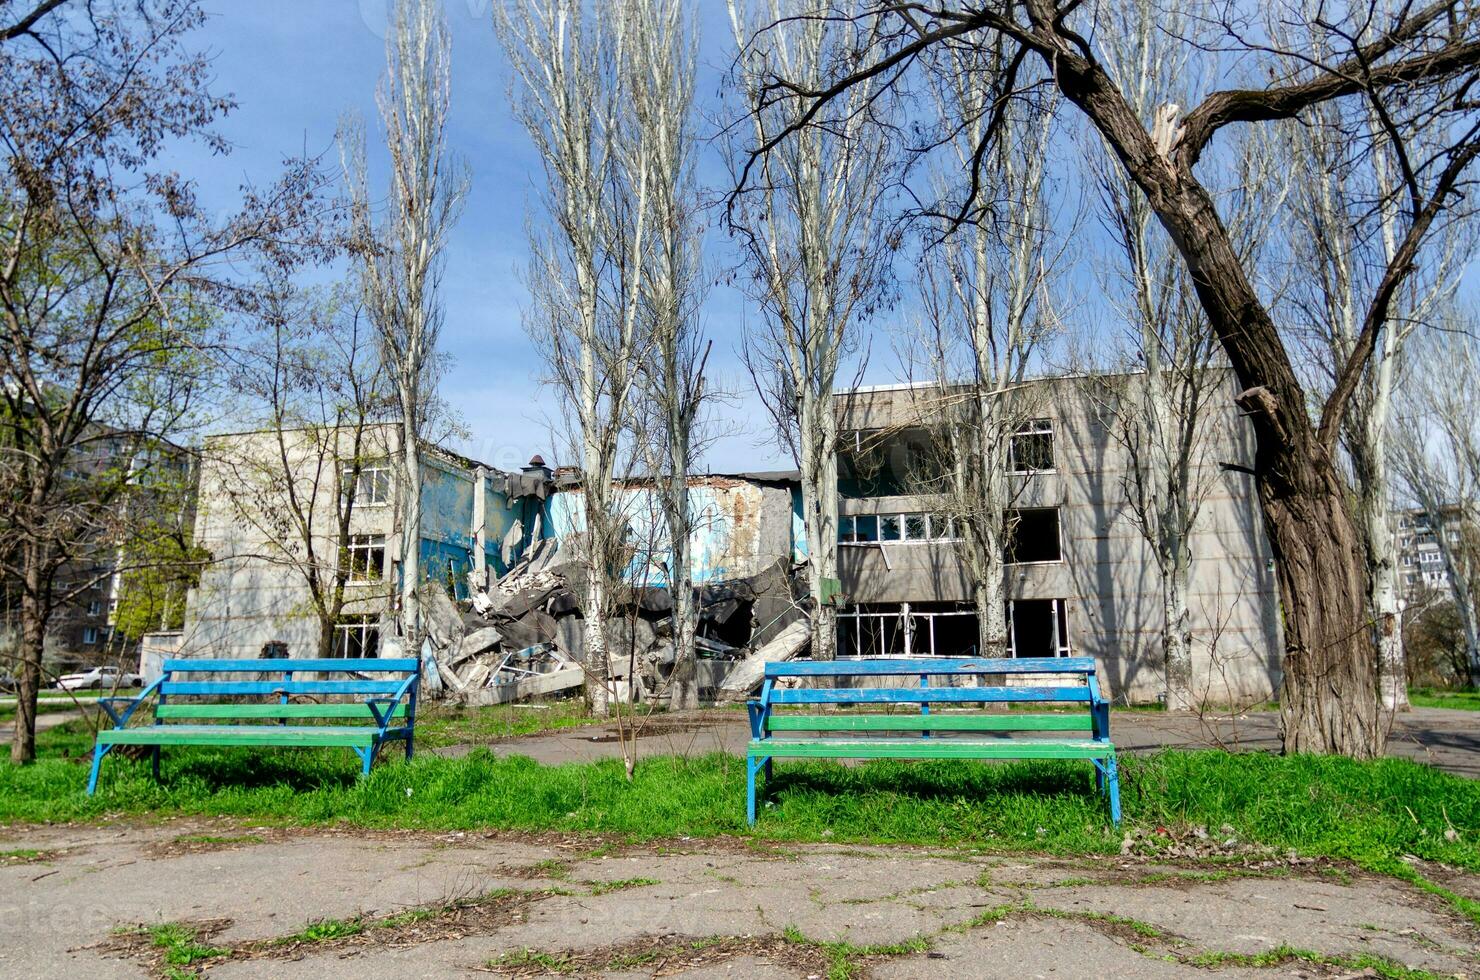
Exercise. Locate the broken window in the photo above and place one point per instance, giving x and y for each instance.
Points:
(365, 557)
(371, 485)
(867, 528)
(1031, 447)
(1038, 627)
(1032, 535)
(931, 629)
(357, 636)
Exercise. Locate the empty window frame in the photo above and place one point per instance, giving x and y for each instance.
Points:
(1032, 536)
(371, 486)
(936, 629)
(356, 636)
(1038, 627)
(365, 555)
(1030, 449)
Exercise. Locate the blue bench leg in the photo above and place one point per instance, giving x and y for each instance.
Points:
(751, 765)
(92, 780)
(1100, 777)
(1112, 777)
(154, 762)
(768, 769)
(409, 741)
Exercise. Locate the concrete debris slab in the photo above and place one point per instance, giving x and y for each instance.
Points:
(747, 674)
(525, 635)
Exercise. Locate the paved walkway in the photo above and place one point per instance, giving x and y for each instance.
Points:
(1443, 737)
(437, 905)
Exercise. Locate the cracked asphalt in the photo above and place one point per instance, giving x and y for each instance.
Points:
(440, 905)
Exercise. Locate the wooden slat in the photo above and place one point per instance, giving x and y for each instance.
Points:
(930, 748)
(931, 665)
(921, 695)
(240, 735)
(358, 711)
(403, 665)
(173, 688)
(918, 723)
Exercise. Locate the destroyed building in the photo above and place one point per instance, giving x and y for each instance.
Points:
(501, 557)
(1081, 579)
(258, 488)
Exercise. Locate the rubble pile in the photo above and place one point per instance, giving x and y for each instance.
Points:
(525, 636)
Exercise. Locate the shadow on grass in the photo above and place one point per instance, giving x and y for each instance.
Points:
(937, 782)
(240, 769)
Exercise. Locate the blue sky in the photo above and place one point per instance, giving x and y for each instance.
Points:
(294, 68)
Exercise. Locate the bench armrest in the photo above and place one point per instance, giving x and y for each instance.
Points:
(383, 709)
(757, 712)
(133, 703)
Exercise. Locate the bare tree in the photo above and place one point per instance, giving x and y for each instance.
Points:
(586, 276)
(1436, 457)
(1162, 413)
(111, 278)
(988, 304)
(814, 250)
(1411, 67)
(400, 257)
(674, 390)
(311, 376)
(1344, 230)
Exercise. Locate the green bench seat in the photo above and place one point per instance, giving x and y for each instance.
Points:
(192, 711)
(859, 727)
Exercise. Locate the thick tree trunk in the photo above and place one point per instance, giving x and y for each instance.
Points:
(1328, 699)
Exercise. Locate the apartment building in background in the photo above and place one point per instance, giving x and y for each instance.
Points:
(1421, 565)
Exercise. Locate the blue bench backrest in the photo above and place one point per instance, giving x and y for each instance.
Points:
(1087, 692)
(278, 677)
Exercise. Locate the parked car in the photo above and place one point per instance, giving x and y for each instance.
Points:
(99, 678)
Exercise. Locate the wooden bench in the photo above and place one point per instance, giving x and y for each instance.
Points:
(207, 712)
(859, 734)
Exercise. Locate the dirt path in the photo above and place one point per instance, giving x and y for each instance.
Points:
(434, 905)
(1443, 737)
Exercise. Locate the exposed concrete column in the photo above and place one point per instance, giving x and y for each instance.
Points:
(480, 527)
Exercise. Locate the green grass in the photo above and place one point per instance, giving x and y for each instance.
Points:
(324, 930)
(439, 725)
(1429, 698)
(1320, 806)
(1363, 963)
(1372, 813)
(180, 945)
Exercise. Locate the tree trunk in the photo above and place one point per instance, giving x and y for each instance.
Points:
(683, 683)
(819, 469)
(33, 632)
(1176, 638)
(410, 534)
(1328, 698)
(598, 697)
(326, 637)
